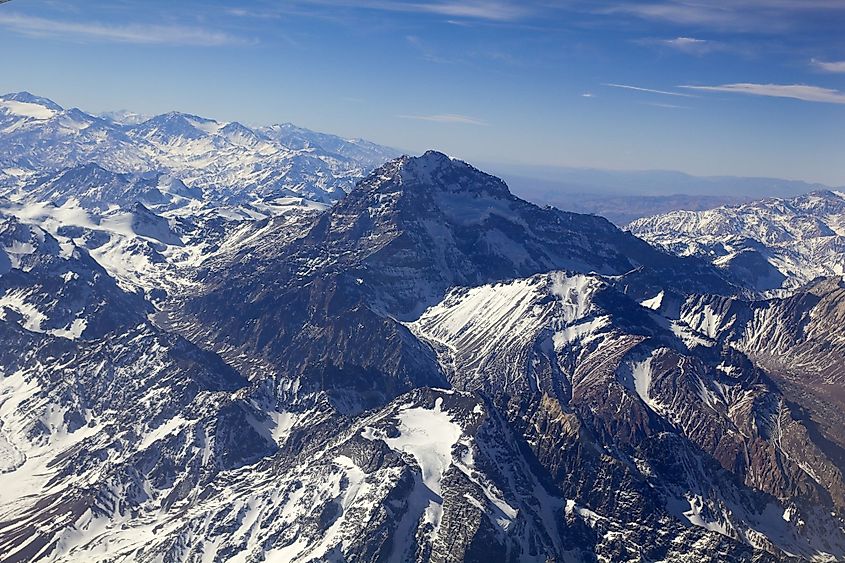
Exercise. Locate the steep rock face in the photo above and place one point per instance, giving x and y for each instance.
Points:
(799, 341)
(101, 413)
(614, 398)
(769, 244)
(429, 223)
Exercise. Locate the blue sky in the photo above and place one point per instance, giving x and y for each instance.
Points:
(747, 87)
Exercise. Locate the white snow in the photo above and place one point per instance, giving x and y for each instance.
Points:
(428, 435)
(171, 426)
(580, 331)
(283, 423)
(10, 457)
(73, 331)
(19, 401)
(575, 292)
(655, 302)
(476, 328)
(641, 373)
(692, 507)
(16, 300)
(801, 238)
(27, 109)
(688, 336)
(637, 375)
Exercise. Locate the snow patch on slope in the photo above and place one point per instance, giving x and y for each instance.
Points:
(428, 435)
(27, 109)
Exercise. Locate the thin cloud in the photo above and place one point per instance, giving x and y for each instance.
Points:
(425, 51)
(447, 118)
(689, 45)
(496, 11)
(695, 14)
(829, 66)
(747, 15)
(684, 42)
(493, 10)
(650, 90)
(666, 106)
(802, 92)
(131, 33)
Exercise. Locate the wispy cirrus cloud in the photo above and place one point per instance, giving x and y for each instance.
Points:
(688, 45)
(250, 13)
(746, 15)
(829, 66)
(425, 51)
(145, 34)
(665, 106)
(493, 10)
(802, 92)
(676, 12)
(649, 90)
(454, 118)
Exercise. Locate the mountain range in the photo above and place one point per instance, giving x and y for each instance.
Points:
(770, 244)
(626, 195)
(227, 161)
(203, 362)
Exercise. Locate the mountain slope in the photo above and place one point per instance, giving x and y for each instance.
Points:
(645, 390)
(799, 340)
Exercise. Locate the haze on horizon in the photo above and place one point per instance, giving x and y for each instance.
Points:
(753, 88)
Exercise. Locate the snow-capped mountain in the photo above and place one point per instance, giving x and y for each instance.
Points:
(89, 179)
(95, 188)
(769, 244)
(227, 161)
(392, 248)
(431, 369)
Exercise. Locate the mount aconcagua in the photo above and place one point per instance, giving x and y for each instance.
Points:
(203, 363)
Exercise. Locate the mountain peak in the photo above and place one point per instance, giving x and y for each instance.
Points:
(434, 155)
(28, 98)
(174, 124)
(434, 171)
(430, 160)
(124, 117)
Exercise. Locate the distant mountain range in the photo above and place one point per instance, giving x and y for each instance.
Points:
(769, 244)
(200, 362)
(623, 196)
(226, 161)
(234, 163)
